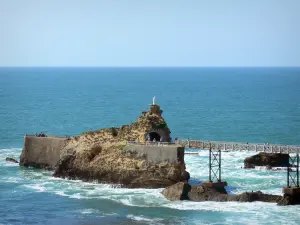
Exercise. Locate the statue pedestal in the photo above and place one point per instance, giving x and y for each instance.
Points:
(155, 109)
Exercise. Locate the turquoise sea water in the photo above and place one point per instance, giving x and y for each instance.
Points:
(250, 105)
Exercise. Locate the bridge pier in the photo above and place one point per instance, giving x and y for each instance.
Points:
(214, 177)
(293, 190)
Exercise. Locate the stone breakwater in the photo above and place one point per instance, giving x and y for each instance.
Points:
(42, 152)
(104, 156)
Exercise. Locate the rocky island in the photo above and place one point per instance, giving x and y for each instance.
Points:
(267, 159)
(138, 155)
(108, 155)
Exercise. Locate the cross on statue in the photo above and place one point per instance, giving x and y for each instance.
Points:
(154, 103)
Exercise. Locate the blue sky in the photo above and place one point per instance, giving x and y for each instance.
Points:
(149, 33)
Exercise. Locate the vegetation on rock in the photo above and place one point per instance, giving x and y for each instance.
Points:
(97, 155)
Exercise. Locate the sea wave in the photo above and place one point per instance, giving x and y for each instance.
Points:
(240, 180)
(145, 219)
(9, 152)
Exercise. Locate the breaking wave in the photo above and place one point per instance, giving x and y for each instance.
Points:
(239, 180)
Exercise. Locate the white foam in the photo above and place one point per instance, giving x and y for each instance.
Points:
(11, 179)
(9, 152)
(61, 193)
(10, 164)
(88, 211)
(144, 219)
(77, 196)
(203, 154)
(36, 187)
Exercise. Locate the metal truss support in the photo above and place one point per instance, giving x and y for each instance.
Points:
(214, 165)
(293, 171)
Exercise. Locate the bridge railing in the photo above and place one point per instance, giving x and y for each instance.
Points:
(239, 146)
(156, 143)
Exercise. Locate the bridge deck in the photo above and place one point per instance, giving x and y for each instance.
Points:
(228, 146)
(239, 146)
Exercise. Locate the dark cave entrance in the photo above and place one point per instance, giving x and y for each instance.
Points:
(154, 135)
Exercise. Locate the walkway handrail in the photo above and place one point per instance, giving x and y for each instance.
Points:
(232, 142)
(150, 143)
(234, 146)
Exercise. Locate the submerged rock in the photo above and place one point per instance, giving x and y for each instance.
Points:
(8, 159)
(267, 159)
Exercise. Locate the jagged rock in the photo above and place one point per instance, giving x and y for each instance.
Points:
(184, 191)
(101, 156)
(178, 191)
(286, 200)
(64, 166)
(8, 159)
(254, 196)
(267, 159)
(202, 193)
(127, 176)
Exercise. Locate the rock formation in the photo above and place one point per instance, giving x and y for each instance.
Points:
(184, 191)
(98, 155)
(8, 159)
(101, 156)
(267, 159)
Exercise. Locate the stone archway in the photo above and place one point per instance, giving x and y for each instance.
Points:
(154, 135)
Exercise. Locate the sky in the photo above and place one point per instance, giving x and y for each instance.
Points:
(156, 33)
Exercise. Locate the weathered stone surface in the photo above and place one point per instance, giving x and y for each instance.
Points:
(202, 193)
(267, 159)
(41, 152)
(254, 196)
(286, 200)
(8, 159)
(139, 174)
(183, 191)
(178, 191)
(100, 156)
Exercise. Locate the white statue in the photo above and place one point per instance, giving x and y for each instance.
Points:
(154, 103)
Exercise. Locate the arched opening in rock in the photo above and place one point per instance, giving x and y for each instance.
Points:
(154, 135)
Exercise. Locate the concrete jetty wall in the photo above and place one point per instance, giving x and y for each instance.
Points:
(41, 152)
(157, 153)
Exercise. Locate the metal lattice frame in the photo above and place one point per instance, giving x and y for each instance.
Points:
(293, 175)
(214, 165)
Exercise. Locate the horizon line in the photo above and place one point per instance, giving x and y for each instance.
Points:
(145, 67)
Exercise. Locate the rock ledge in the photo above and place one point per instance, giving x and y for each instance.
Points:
(184, 191)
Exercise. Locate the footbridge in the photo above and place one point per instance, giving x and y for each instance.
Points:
(227, 146)
(238, 146)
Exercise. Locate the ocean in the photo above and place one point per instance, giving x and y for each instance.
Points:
(260, 105)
